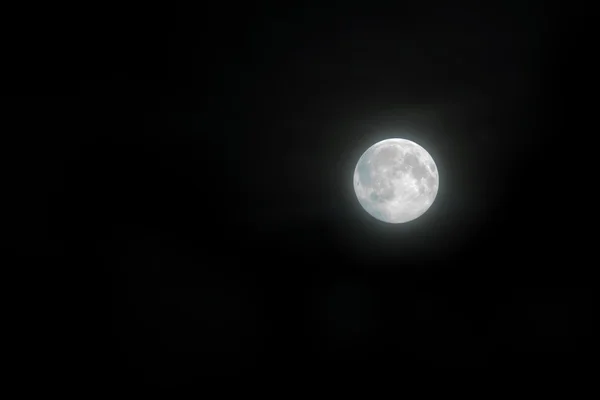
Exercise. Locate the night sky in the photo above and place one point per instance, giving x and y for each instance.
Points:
(205, 196)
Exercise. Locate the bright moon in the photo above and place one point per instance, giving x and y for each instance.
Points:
(396, 180)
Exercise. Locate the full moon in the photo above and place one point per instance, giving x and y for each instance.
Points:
(396, 180)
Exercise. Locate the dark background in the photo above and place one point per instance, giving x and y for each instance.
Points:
(197, 187)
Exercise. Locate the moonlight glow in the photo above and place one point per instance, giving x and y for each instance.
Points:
(396, 180)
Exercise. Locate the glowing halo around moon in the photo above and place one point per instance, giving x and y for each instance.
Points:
(396, 180)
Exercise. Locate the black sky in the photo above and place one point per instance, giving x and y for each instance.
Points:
(208, 186)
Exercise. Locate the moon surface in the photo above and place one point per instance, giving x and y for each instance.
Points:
(396, 180)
